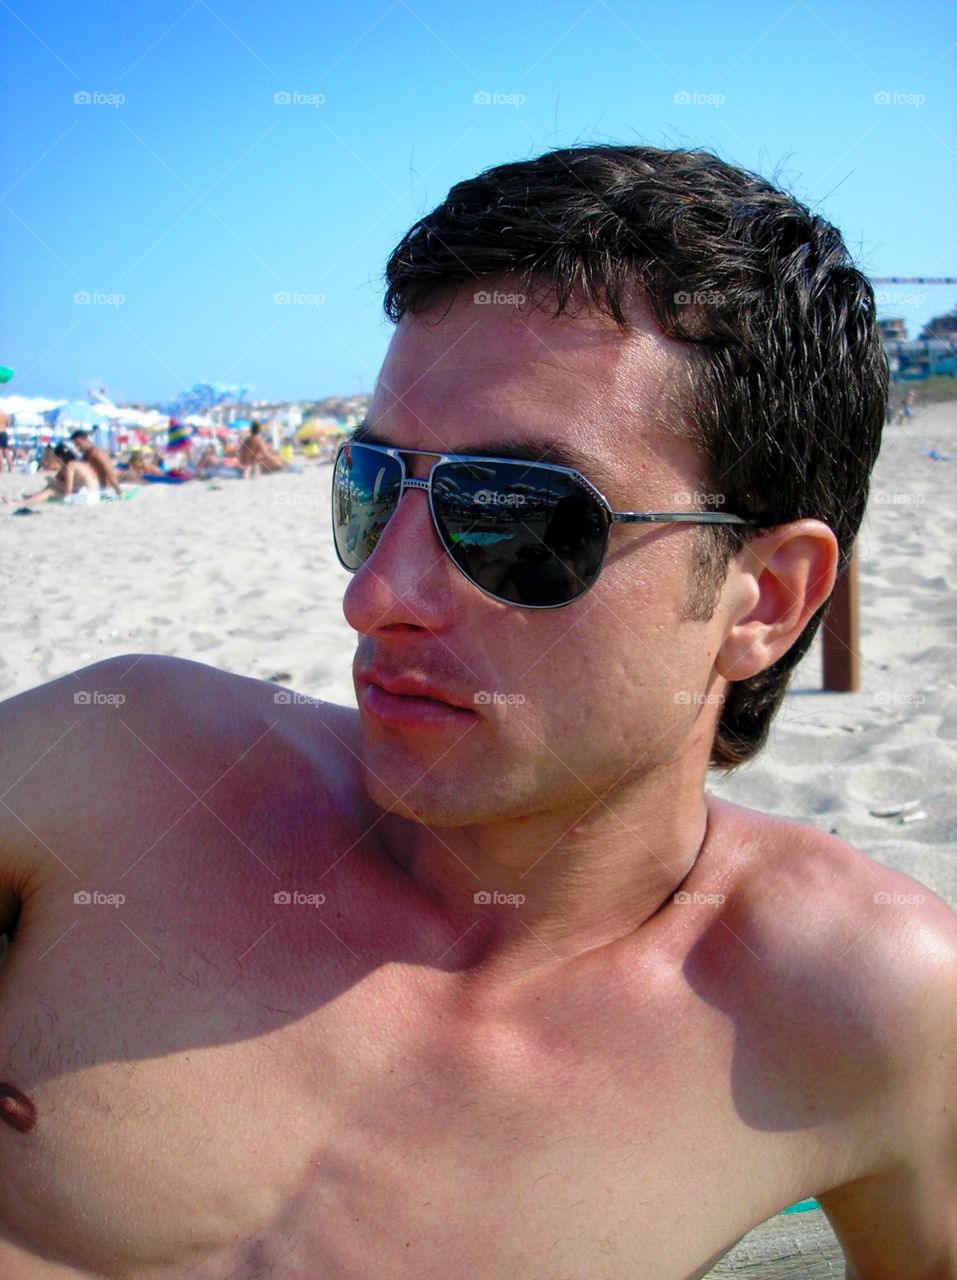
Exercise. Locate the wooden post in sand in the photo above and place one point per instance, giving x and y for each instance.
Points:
(842, 659)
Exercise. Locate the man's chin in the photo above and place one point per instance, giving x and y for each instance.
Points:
(435, 802)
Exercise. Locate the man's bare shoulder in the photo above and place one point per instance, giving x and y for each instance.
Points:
(107, 739)
(821, 957)
(839, 976)
(803, 901)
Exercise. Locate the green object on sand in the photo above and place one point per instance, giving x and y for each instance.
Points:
(5, 373)
(803, 1206)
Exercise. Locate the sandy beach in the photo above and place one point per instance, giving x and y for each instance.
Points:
(243, 576)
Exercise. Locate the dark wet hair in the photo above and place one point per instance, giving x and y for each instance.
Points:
(789, 389)
(64, 452)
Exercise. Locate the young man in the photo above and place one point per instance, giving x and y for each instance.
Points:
(99, 460)
(479, 982)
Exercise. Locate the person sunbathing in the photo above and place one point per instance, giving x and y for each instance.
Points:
(477, 978)
(139, 467)
(255, 456)
(74, 482)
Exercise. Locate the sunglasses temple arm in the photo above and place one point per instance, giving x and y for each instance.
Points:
(679, 517)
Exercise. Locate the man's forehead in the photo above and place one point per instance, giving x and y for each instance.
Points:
(501, 340)
(507, 381)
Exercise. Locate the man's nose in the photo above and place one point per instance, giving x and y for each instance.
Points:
(408, 579)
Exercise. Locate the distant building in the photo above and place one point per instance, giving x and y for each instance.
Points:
(894, 330)
(933, 354)
(911, 361)
(944, 327)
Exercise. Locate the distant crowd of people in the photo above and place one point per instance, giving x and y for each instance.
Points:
(79, 472)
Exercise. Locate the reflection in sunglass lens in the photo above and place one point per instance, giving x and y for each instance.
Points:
(365, 491)
(526, 534)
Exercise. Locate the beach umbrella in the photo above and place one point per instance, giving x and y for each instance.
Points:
(76, 414)
(5, 373)
(319, 429)
(180, 435)
(204, 395)
(27, 420)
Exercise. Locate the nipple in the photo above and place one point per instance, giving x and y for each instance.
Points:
(16, 1108)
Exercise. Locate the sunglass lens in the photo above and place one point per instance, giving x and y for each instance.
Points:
(523, 533)
(365, 491)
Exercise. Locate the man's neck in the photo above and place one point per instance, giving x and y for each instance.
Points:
(531, 890)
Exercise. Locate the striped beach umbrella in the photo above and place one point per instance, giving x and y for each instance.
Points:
(180, 435)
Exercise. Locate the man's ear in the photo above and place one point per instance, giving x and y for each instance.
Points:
(775, 584)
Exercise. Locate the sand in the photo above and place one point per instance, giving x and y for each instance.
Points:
(243, 576)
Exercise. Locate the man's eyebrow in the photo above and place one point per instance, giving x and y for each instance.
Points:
(559, 452)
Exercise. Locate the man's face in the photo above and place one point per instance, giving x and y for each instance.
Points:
(82, 444)
(576, 698)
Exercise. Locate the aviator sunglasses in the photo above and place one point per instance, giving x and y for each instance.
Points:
(532, 534)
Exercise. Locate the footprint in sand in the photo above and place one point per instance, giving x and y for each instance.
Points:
(202, 640)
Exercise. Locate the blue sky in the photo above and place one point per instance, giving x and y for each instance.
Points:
(181, 198)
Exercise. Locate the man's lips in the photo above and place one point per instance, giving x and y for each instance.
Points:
(408, 702)
(412, 687)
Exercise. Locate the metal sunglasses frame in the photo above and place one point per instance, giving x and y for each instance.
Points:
(615, 517)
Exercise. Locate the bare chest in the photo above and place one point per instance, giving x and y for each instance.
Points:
(290, 1097)
(365, 1136)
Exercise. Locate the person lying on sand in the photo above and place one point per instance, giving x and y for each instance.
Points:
(477, 979)
(139, 467)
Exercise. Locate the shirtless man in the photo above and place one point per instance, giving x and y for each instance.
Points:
(255, 456)
(478, 982)
(99, 460)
